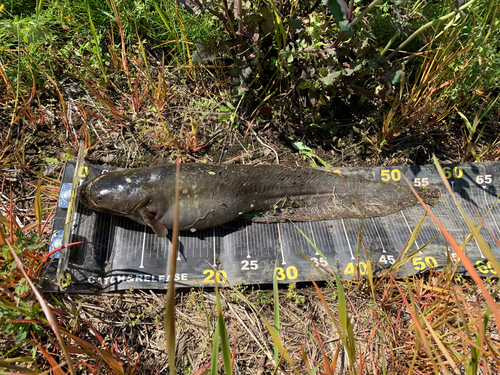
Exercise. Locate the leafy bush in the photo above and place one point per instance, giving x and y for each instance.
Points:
(308, 55)
(309, 50)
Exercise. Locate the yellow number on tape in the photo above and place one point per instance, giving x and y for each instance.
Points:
(221, 276)
(485, 267)
(419, 263)
(456, 172)
(387, 175)
(83, 172)
(360, 267)
(290, 273)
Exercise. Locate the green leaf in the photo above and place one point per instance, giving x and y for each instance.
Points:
(300, 146)
(467, 123)
(37, 246)
(52, 160)
(294, 24)
(396, 76)
(340, 11)
(330, 78)
(215, 351)
(304, 85)
(319, 45)
(287, 55)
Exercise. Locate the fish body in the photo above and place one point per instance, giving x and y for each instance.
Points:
(211, 195)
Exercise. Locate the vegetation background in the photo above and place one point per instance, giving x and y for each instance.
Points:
(336, 82)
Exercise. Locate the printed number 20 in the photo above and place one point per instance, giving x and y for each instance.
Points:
(221, 276)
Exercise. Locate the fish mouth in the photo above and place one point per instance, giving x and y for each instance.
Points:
(85, 197)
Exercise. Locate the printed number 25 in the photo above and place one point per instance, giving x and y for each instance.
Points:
(249, 265)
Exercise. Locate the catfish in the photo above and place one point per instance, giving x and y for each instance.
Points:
(212, 195)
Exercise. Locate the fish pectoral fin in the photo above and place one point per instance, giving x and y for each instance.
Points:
(151, 220)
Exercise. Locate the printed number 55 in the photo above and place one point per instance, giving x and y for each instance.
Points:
(424, 181)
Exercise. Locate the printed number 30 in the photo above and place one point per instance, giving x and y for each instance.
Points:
(290, 272)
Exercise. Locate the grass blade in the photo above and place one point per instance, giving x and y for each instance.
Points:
(485, 248)
(463, 257)
(276, 308)
(326, 362)
(215, 351)
(222, 332)
(270, 329)
(169, 319)
(38, 200)
(45, 307)
(97, 40)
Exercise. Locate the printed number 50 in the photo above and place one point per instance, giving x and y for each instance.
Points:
(387, 175)
(418, 263)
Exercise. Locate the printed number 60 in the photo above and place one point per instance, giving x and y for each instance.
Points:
(456, 172)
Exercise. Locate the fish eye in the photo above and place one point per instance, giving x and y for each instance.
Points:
(99, 197)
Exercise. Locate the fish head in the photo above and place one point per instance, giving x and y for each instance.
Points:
(116, 193)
